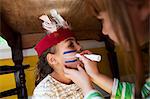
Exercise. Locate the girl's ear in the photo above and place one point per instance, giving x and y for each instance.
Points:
(51, 59)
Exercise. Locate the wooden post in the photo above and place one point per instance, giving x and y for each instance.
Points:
(14, 41)
(17, 57)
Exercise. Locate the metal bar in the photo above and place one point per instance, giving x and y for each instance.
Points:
(10, 69)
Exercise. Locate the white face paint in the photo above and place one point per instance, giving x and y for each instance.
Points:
(68, 48)
(70, 59)
(72, 56)
(69, 56)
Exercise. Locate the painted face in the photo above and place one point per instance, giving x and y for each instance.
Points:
(107, 28)
(67, 51)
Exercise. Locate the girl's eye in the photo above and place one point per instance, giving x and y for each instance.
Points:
(71, 45)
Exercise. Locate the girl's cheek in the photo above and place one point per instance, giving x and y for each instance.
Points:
(70, 60)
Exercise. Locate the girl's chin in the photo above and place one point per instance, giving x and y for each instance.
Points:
(73, 64)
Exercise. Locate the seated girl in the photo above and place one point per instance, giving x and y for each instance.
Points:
(54, 51)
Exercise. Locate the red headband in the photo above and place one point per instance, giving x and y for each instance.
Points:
(52, 39)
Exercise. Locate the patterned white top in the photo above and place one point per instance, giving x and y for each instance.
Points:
(49, 88)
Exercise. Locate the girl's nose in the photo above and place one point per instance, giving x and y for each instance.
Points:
(78, 47)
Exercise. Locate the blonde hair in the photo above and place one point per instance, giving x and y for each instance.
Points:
(120, 16)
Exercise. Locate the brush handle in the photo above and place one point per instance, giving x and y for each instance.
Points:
(92, 57)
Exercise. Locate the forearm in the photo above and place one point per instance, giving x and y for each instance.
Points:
(87, 89)
(103, 81)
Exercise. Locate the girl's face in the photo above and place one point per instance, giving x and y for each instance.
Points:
(66, 51)
(107, 28)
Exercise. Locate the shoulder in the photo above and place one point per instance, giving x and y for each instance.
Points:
(122, 89)
(44, 88)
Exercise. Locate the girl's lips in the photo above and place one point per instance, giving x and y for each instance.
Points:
(73, 64)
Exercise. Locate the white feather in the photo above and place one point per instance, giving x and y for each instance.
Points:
(53, 12)
(60, 21)
(55, 23)
(50, 26)
(45, 18)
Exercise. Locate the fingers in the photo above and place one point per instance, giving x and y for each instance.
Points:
(67, 70)
(67, 75)
(72, 73)
(80, 68)
(81, 55)
(86, 52)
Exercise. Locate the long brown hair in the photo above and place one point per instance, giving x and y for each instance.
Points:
(43, 68)
(120, 15)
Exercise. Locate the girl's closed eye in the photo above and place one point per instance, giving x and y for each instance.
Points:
(71, 45)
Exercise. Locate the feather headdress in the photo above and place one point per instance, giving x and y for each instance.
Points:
(57, 31)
